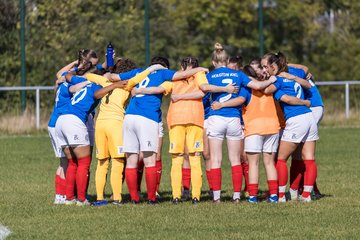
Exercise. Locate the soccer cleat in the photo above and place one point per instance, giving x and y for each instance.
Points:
(318, 195)
(176, 201)
(217, 201)
(282, 199)
(185, 194)
(59, 199)
(135, 202)
(252, 199)
(273, 198)
(210, 192)
(294, 195)
(83, 203)
(151, 202)
(117, 203)
(70, 202)
(195, 201)
(99, 203)
(305, 199)
(157, 195)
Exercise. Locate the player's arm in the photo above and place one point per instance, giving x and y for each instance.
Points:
(66, 69)
(215, 89)
(188, 73)
(78, 86)
(294, 100)
(105, 90)
(230, 103)
(165, 88)
(187, 96)
(303, 67)
(305, 84)
(260, 85)
(114, 77)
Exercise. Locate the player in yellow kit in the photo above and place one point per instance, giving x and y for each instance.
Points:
(108, 128)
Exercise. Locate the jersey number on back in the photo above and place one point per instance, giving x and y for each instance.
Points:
(143, 84)
(298, 90)
(78, 96)
(227, 96)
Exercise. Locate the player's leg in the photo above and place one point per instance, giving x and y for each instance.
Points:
(297, 169)
(102, 155)
(186, 175)
(253, 148)
(140, 171)
(310, 173)
(270, 146)
(159, 158)
(176, 148)
(194, 143)
(206, 156)
(234, 136)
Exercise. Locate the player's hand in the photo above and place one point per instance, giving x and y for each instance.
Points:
(309, 76)
(216, 106)
(175, 97)
(155, 67)
(307, 103)
(121, 84)
(134, 92)
(272, 79)
(113, 77)
(231, 88)
(60, 80)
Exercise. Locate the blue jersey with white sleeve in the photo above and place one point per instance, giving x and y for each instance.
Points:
(312, 94)
(291, 88)
(222, 77)
(148, 105)
(62, 100)
(84, 102)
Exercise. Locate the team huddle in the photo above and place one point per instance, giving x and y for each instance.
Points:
(268, 107)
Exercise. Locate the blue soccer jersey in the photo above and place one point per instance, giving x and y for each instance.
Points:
(291, 88)
(312, 94)
(62, 100)
(207, 105)
(84, 102)
(148, 105)
(222, 77)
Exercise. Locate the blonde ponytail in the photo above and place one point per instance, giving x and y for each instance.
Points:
(219, 54)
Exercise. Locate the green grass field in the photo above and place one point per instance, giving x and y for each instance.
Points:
(27, 167)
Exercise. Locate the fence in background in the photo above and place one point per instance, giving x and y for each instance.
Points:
(37, 89)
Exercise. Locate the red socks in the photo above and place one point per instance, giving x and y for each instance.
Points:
(140, 170)
(208, 176)
(216, 178)
(60, 185)
(71, 179)
(186, 178)
(309, 177)
(131, 181)
(236, 177)
(282, 172)
(253, 189)
(158, 173)
(296, 173)
(82, 176)
(273, 187)
(150, 176)
(245, 170)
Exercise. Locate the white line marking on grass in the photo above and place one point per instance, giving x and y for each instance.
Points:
(4, 232)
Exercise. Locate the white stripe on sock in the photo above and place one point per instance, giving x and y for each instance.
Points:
(308, 188)
(216, 195)
(282, 188)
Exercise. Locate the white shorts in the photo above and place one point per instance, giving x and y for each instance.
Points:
(59, 153)
(71, 131)
(318, 113)
(262, 143)
(161, 129)
(91, 129)
(300, 128)
(206, 123)
(140, 134)
(219, 126)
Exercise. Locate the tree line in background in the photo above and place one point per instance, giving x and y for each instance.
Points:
(322, 34)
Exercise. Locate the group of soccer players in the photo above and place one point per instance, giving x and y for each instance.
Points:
(268, 106)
